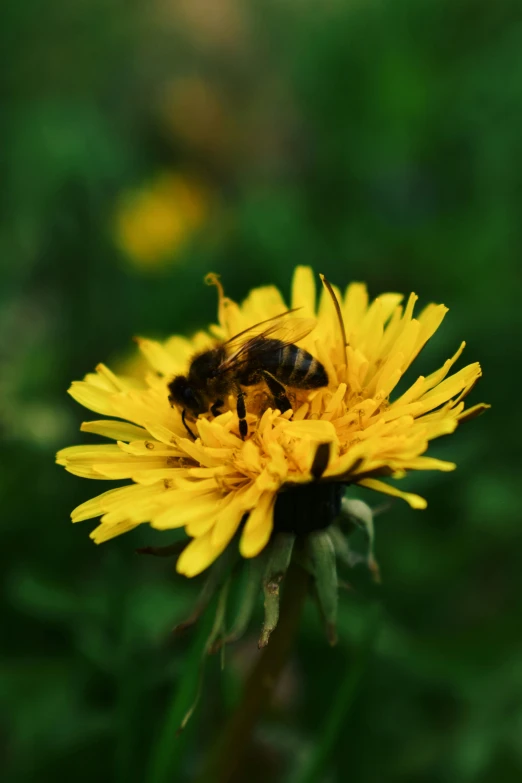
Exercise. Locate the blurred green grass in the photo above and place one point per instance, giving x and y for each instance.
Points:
(375, 141)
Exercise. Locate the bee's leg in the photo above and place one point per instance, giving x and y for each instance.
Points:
(241, 412)
(215, 407)
(183, 419)
(278, 391)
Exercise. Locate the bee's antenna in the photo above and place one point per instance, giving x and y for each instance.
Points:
(337, 306)
(213, 279)
(223, 301)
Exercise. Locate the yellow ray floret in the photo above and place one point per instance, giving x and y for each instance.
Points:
(220, 484)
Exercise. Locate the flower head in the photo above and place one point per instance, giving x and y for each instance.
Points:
(353, 430)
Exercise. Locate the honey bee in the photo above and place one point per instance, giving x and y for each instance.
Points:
(265, 353)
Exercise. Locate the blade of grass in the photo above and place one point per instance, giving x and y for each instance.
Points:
(167, 753)
(315, 765)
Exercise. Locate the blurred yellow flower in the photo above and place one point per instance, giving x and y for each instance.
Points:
(154, 222)
(219, 482)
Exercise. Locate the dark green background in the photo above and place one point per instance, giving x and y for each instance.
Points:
(374, 140)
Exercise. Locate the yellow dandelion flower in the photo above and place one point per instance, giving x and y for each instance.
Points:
(152, 223)
(217, 484)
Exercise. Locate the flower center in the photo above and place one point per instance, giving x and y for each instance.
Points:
(303, 509)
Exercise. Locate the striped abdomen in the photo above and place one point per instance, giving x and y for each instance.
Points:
(292, 366)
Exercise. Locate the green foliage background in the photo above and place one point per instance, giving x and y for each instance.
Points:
(375, 140)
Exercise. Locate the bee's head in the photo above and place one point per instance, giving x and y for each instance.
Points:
(184, 394)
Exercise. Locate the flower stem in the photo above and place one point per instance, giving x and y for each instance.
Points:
(224, 762)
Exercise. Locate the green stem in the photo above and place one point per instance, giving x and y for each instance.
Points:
(224, 762)
(343, 700)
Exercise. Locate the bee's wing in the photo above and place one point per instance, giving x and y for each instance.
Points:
(247, 334)
(253, 340)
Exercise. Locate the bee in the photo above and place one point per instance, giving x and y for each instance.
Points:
(265, 353)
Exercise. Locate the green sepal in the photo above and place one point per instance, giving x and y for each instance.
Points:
(322, 554)
(217, 575)
(356, 512)
(343, 549)
(216, 631)
(278, 561)
(218, 627)
(249, 590)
